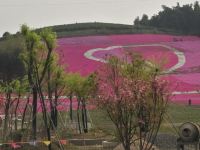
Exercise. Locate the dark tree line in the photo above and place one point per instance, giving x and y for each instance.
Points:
(11, 66)
(183, 19)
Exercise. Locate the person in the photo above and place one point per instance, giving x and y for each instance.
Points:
(189, 102)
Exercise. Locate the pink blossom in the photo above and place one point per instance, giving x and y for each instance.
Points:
(71, 51)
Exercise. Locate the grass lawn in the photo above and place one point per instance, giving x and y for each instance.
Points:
(103, 128)
(175, 116)
(178, 114)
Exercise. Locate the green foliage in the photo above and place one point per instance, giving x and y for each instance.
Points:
(15, 86)
(49, 37)
(31, 38)
(144, 20)
(9, 87)
(71, 81)
(58, 78)
(6, 35)
(139, 68)
(94, 28)
(79, 86)
(11, 66)
(97, 28)
(22, 86)
(183, 19)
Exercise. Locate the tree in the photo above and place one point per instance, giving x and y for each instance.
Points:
(31, 40)
(84, 91)
(41, 63)
(144, 20)
(196, 7)
(6, 35)
(11, 66)
(37, 57)
(196, 16)
(135, 99)
(137, 22)
(71, 85)
(21, 88)
(82, 88)
(56, 79)
(79, 80)
(7, 88)
(183, 19)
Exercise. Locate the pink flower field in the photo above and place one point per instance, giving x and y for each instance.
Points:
(63, 105)
(86, 54)
(151, 53)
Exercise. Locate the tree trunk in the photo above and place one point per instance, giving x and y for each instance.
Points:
(127, 147)
(55, 109)
(17, 104)
(56, 115)
(78, 116)
(127, 140)
(141, 147)
(44, 111)
(24, 113)
(85, 116)
(7, 107)
(126, 143)
(52, 122)
(34, 115)
(70, 110)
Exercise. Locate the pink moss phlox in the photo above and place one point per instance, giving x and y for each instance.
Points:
(114, 89)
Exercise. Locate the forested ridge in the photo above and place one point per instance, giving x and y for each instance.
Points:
(183, 19)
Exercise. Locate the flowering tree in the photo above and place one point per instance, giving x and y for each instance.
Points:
(134, 97)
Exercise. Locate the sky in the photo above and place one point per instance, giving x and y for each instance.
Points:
(40, 13)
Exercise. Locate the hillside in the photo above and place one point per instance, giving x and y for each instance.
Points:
(98, 28)
(11, 45)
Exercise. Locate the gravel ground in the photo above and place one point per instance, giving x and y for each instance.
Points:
(166, 141)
